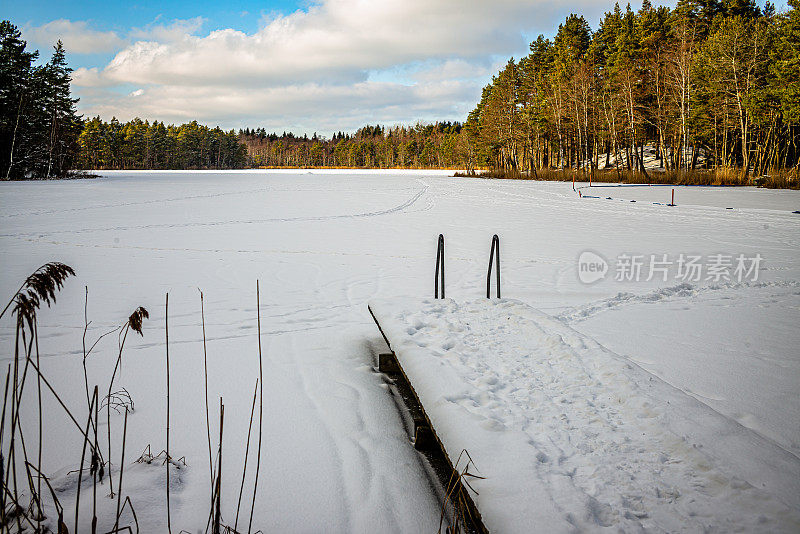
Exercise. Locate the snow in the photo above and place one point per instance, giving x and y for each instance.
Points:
(719, 374)
(651, 159)
(570, 435)
(335, 455)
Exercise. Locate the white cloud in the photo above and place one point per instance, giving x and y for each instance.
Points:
(90, 77)
(454, 69)
(336, 64)
(337, 40)
(177, 30)
(77, 37)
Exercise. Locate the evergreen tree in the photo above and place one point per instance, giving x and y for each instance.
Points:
(64, 122)
(785, 63)
(39, 126)
(16, 81)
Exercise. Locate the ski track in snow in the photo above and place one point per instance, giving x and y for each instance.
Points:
(399, 208)
(128, 204)
(683, 290)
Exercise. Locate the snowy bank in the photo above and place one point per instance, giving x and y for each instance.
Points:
(569, 435)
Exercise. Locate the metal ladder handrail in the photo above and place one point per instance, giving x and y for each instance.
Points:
(439, 274)
(496, 258)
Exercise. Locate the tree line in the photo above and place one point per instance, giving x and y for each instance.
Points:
(138, 144)
(39, 126)
(438, 145)
(708, 84)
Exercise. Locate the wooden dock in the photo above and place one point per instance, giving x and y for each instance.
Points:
(452, 492)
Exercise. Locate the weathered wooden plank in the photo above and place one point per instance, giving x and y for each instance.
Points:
(427, 442)
(387, 363)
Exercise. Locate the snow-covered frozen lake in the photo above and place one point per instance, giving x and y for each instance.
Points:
(336, 457)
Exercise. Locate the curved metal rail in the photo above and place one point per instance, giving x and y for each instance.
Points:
(439, 275)
(494, 254)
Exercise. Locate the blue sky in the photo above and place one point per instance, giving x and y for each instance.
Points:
(307, 66)
(120, 16)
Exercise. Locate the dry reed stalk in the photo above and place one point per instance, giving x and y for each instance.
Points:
(41, 286)
(23, 321)
(260, 407)
(17, 424)
(83, 341)
(39, 455)
(83, 455)
(12, 463)
(246, 454)
(205, 390)
(166, 460)
(108, 409)
(457, 485)
(29, 478)
(58, 398)
(5, 401)
(17, 510)
(97, 461)
(217, 506)
(2, 460)
(62, 527)
(129, 504)
(121, 471)
(134, 323)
